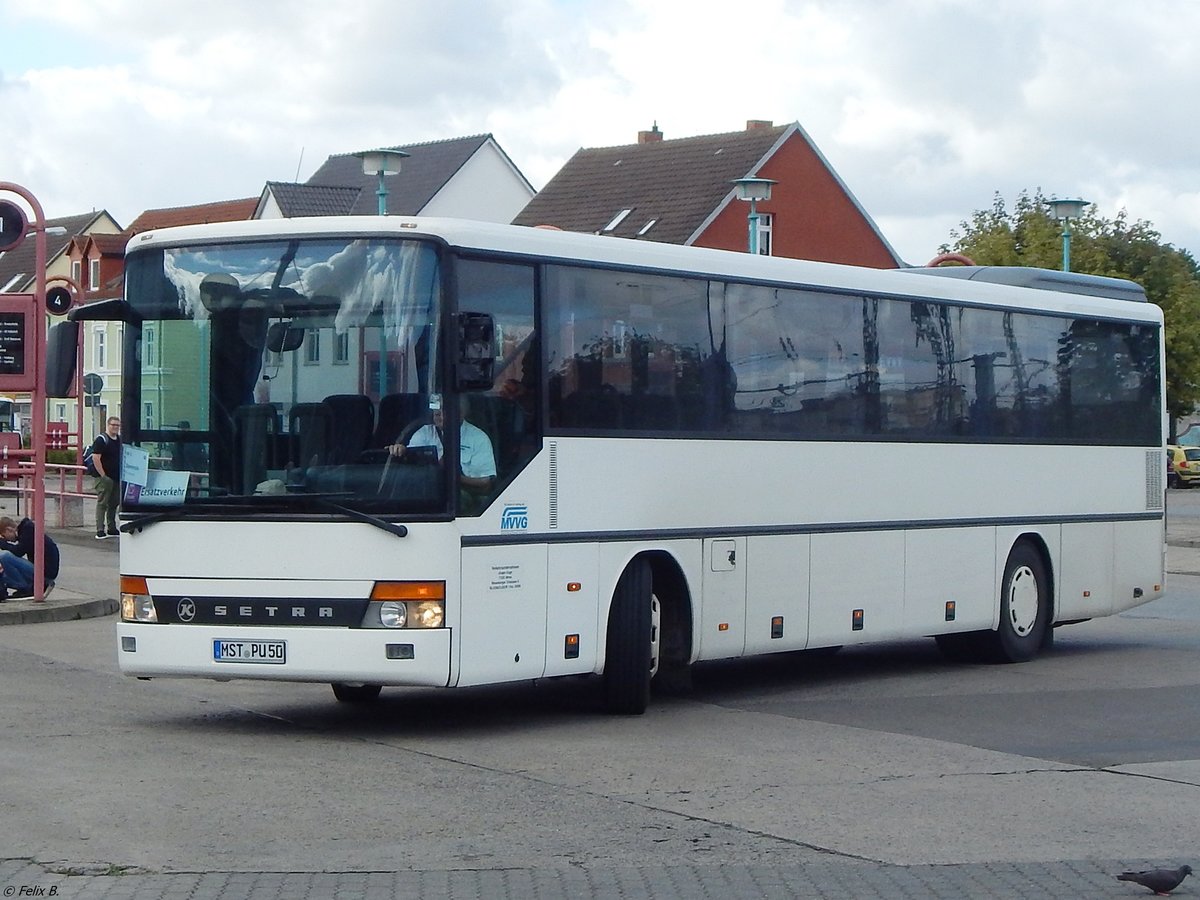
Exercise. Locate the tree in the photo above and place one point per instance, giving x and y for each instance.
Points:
(1029, 236)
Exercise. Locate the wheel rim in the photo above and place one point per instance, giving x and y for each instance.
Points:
(655, 621)
(1023, 601)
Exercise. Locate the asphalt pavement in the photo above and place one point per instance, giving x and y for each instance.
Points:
(88, 586)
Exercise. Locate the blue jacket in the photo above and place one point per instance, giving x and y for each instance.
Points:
(23, 546)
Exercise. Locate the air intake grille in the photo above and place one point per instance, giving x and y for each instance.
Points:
(1156, 466)
(554, 484)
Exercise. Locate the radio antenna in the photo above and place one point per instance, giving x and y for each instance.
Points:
(298, 163)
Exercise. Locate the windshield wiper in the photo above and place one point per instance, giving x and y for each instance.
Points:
(143, 522)
(358, 515)
(183, 512)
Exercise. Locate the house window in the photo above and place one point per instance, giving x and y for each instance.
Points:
(149, 346)
(148, 415)
(99, 349)
(765, 223)
(94, 274)
(617, 220)
(77, 271)
(60, 412)
(341, 349)
(312, 347)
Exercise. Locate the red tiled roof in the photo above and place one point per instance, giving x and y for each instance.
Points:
(200, 214)
(110, 244)
(674, 183)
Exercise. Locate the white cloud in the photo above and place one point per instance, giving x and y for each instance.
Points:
(924, 107)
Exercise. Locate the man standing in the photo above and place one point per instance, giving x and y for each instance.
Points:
(106, 456)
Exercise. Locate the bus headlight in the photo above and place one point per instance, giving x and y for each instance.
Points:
(138, 608)
(427, 614)
(136, 603)
(393, 614)
(411, 614)
(407, 604)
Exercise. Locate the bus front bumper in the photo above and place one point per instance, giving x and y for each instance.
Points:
(417, 657)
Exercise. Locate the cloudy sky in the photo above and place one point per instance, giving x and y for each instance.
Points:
(926, 108)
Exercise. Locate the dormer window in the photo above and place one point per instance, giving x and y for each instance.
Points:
(94, 274)
(616, 220)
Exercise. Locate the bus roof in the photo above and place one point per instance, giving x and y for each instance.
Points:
(1044, 280)
(1038, 289)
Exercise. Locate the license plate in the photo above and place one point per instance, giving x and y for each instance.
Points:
(268, 652)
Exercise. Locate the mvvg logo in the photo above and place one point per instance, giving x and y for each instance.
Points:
(515, 517)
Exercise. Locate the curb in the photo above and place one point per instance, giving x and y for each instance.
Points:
(29, 613)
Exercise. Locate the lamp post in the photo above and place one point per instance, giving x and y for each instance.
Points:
(381, 163)
(1064, 211)
(753, 189)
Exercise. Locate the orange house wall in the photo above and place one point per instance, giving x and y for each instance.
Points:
(813, 216)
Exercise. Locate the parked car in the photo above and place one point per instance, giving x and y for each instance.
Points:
(1183, 465)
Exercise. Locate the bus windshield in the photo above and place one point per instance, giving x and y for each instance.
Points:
(278, 374)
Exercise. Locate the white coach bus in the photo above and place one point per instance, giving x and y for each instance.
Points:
(666, 455)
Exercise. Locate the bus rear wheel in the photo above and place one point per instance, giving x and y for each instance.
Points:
(631, 650)
(356, 693)
(1025, 608)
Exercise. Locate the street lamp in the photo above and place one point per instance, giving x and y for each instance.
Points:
(753, 189)
(381, 163)
(1064, 211)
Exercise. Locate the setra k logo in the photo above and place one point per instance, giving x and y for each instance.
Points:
(186, 609)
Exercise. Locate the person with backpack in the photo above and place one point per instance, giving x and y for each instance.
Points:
(106, 457)
(17, 556)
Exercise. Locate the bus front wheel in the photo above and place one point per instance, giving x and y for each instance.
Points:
(356, 693)
(631, 650)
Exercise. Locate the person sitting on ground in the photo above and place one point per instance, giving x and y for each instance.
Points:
(17, 557)
(476, 458)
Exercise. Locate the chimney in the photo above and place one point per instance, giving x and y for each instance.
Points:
(753, 124)
(651, 136)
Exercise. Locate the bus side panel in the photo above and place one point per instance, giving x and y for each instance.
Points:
(1139, 561)
(571, 610)
(949, 565)
(723, 618)
(777, 586)
(1086, 577)
(502, 631)
(852, 572)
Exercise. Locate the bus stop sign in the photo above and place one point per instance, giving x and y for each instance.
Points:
(13, 225)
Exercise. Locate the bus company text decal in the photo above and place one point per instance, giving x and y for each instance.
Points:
(515, 517)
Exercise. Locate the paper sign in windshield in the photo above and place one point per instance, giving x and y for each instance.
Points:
(162, 488)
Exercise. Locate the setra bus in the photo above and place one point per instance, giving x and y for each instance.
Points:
(666, 455)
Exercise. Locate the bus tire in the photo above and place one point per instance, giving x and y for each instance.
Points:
(629, 654)
(356, 693)
(1024, 607)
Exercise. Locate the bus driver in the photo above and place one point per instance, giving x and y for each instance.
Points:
(476, 458)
